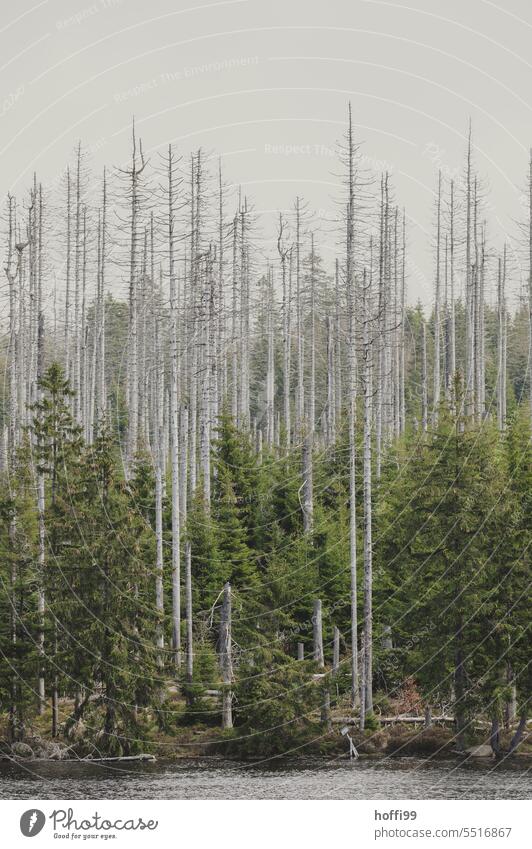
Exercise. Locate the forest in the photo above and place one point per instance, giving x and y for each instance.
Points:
(250, 494)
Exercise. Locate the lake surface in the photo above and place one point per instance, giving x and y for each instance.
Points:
(397, 778)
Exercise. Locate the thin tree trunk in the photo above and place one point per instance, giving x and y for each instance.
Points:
(501, 348)
(189, 615)
(368, 542)
(133, 379)
(336, 650)
(530, 283)
(317, 630)
(437, 313)
(424, 394)
(308, 485)
(452, 320)
(42, 531)
(495, 742)
(226, 662)
(174, 425)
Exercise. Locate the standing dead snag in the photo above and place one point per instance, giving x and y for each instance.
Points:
(367, 379)
(350, 156)
(319, 658)
(270, 371)
(501, 344)
(530, 274)
(307, 486)
(226, 662)
(424, 392)
(283, 253)
(318, 634)
(174, 425)
(189, 641)
(437, 311)
(300, 383)
(133, 174)
(336, 651)
(42, 527)
(158, 461)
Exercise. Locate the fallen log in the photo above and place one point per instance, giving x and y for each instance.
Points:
(394, 720)
(142, 757)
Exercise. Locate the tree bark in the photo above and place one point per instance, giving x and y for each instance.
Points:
(317, 629)
(226, 663)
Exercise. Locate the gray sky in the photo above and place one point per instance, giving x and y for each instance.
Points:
(266, 82)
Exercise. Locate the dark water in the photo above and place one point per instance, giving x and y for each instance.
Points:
(401, 778)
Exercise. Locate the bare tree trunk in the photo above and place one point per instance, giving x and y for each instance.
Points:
(234, 325)
(244, 418)
(102, 390)
(226, 662)
(469, 393)
(481, 381)
(362, 681)
(350, 292)
(42, 531)
(337, 348)
(495, 737)
(381, 338)
(424, 398)
(189, 616)
(402, 329)
(77, 279)
(174, 424)
(270, 369)
(55, 708)
(158, 461)
(189, 642)
(530, 282)
(518, 736)
(13, 270)
(84, 379)
(368, 508)
(336, 650)
(396, 331)
(452, 320)
(133, 380)
(312, 387)
(501, 347)
(300, 387)
(330, 425)
(317, 630)
(68, 272)
(308, 486)
(283, 253)
(437, 312)
(16, 725)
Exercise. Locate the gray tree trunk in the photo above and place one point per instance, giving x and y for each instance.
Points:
(336, 650)
(317, 630)
(226, 662)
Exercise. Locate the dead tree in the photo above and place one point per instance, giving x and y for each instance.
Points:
(133, 174)
(226, 661)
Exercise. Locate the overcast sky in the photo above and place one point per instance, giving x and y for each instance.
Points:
(265, 83)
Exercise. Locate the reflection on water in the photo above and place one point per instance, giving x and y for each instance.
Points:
(398, 778)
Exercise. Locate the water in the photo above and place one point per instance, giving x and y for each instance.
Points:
(398, 778)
